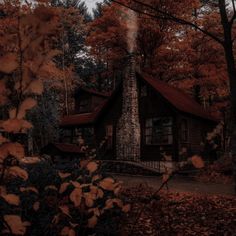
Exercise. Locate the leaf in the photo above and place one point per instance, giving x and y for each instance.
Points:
(76, 184)
(126, 208)
(36, 206)
(96, 177)
(8, 63)
(84, 163)
(67, 231)
(51, 187)
(107, 184)
(26, 125)
(92, 166)
(3, 140)
(30, 160)
(118, 202)
(100, 193)
(12, 113)
(95, 211)
(16, 171)
(29, 189)
(16, 125)
(12, 125)
(63, 187)
(117, 190)
(16, 225)
(3, 190)
(16, 150)
(27, 104)
(63, 175)
(197, 161)
(109, 204)
(11, 199)
(65, 210)
(35, 87)
(76, 196)
(92, 221)
(89, 199)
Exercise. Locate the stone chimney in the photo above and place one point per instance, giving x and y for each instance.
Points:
(128, 127)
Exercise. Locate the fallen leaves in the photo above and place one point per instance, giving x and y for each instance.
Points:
(181, 214)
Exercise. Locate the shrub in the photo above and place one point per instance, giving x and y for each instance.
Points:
(59, 203)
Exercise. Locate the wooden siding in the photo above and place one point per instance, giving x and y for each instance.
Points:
(197, 130)
(150, 106)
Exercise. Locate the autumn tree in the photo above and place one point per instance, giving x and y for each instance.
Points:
(225, 12)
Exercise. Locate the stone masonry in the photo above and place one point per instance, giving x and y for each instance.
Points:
(128, 127)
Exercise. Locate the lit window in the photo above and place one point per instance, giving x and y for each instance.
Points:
(159, 131)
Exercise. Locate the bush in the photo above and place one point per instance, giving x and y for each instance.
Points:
(51, 202)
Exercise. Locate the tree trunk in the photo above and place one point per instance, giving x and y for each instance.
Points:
(230, 61)
(232, 76)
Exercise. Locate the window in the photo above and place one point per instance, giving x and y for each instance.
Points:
(87, 134)
(159, 131)
(184, 130)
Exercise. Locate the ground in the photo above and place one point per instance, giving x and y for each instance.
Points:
(181, 214)
(178, 183)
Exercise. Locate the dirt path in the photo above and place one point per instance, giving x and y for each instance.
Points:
(179, 184)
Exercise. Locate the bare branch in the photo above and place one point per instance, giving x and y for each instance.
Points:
(167, 16)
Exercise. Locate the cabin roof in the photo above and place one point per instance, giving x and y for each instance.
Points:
(83, 118)
(65, 147)
(95, 92)
(180, 100)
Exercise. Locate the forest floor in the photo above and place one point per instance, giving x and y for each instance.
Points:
(179, 214)
(177, 184)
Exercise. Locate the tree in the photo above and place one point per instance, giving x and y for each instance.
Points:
(27, 52)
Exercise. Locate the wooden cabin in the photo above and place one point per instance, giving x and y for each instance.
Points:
(172, 123)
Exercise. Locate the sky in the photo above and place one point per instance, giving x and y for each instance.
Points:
(91, 4)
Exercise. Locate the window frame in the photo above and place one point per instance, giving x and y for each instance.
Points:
(184, 130)
(152, 134)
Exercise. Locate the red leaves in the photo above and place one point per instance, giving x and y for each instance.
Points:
(182, 214)
(8, 63)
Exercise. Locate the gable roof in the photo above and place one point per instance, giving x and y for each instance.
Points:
(180, 100)
(83, 118)
(95, 92)
(62, 148)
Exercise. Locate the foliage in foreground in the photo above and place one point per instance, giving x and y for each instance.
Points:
(45, 201)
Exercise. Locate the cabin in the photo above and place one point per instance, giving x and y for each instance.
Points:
(172, 125)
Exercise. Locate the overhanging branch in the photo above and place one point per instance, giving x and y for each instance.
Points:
(169, 17)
